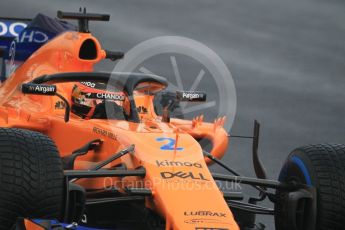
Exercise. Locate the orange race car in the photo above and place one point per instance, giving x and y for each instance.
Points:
(84, 150)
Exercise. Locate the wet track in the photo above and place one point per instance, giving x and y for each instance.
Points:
(287, 59)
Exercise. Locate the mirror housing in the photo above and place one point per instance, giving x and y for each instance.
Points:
(46, 90)
(39, 89)
(191, 96)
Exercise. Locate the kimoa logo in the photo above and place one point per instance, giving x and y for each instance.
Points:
(167, 163)
(205, 213)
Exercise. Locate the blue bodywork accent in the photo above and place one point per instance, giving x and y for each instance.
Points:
(170, 145)
(297, 161)
(55, 222)
(303, 168)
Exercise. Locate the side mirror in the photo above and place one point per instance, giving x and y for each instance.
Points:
(191, 96)
(114, 55)
(170, 100)
(39, 89)
(46, 90)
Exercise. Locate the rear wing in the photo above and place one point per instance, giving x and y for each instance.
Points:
(11, 28)
(21, 37)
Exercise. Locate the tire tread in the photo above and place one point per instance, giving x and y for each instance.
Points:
(31, 176)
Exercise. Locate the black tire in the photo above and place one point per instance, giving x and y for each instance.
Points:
(321, 166)
(31, 177)
(153, 220)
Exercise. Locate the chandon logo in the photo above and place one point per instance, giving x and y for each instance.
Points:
(106, 96)
(183, 175)
(110, 96)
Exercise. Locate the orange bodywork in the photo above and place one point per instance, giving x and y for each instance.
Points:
(191, 200)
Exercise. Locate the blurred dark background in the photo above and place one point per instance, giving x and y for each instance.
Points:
(287, 59)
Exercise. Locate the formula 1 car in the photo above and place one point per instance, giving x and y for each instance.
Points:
(81, 149)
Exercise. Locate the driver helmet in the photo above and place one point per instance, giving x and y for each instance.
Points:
(92, 100)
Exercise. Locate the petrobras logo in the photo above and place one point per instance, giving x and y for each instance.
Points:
(9, 28)
(205, 213)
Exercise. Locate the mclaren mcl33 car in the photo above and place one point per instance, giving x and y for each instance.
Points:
(88, 150)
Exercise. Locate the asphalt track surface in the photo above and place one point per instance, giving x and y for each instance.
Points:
(287, 59)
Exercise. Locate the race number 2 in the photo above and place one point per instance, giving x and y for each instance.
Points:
(169, 145)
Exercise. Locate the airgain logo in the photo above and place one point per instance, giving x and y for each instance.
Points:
(29, 88)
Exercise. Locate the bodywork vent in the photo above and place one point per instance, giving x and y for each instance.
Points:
(88, 50)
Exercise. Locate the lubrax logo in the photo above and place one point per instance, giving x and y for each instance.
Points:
(167, 163)
(205, 213)
(183, 175)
